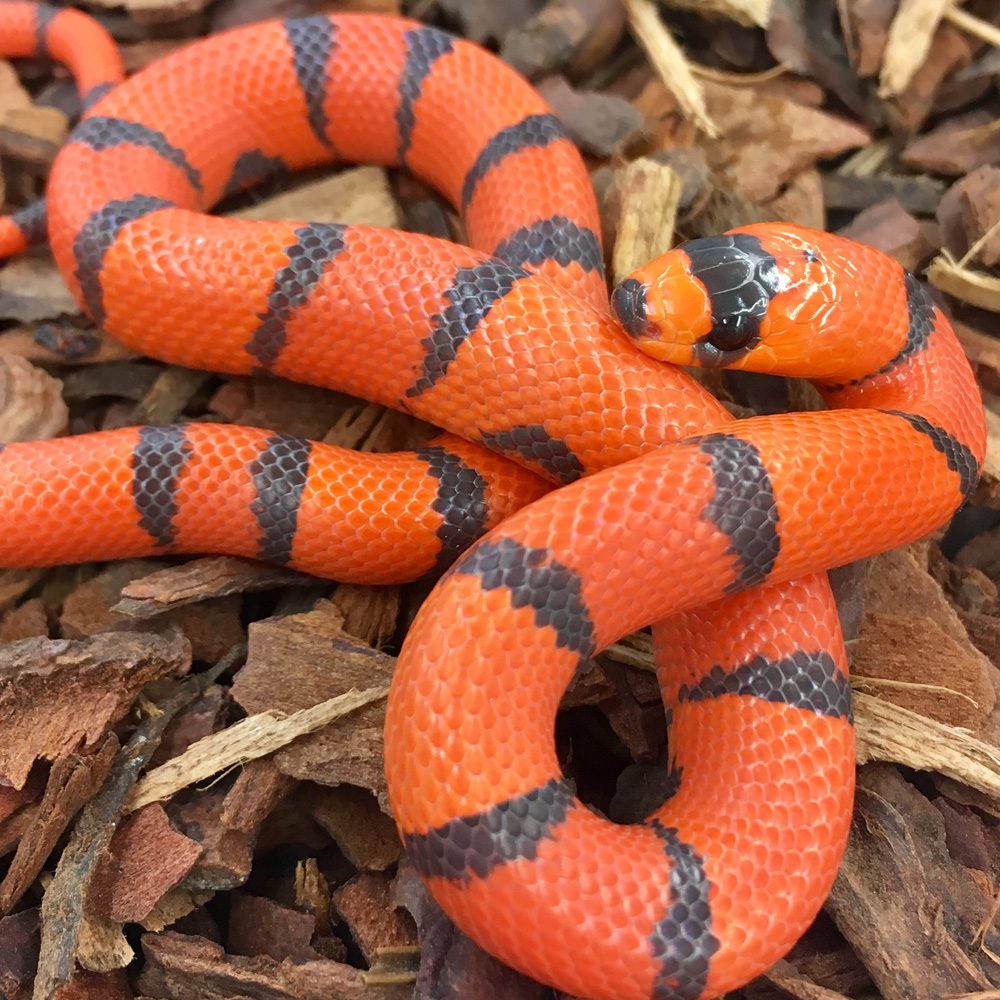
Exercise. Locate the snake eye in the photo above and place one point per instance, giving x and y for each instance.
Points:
(733, 333)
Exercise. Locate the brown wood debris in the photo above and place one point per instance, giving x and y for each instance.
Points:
(192, 797)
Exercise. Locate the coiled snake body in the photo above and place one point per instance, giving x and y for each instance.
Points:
(510, 346)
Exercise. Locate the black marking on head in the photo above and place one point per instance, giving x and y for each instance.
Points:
(33, 222)
(101, 132)
(533, 442)
(532, 132)
(279, 476)
(312, 40)
(806, 680)
(958, 456)
(461, 502)
(741, 278)
(743, 507)
(314, 247)
(473, 846)
(683, 942)
(424, 46)
(473, 293)
(158, 459)
(553, 591)
(251, 168)
(556, 238)
(628, 301)
(96, 237)
(44, 15)
(920, 309)
(99, 90)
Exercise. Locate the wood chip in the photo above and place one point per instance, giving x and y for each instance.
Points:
(256, 736)
(768, 139)
(670, 63)
(57, 695)
(299, 661)
(648, 193)
(73, 780)
(147, 857)
(908, 43)
(181, 967)
(33, 134)
(358, 197)
(365, 904)
(31, 403)
(934, 906)
(32, 289)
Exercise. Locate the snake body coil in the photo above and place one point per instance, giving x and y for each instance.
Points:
(511, 346)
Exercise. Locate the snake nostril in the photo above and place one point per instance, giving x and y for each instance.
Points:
(629, 303)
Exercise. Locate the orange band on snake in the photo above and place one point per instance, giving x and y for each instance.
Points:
(672, 512)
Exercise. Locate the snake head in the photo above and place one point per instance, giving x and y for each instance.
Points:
(759, 298)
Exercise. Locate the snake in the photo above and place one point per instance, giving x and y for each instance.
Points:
(584, 485)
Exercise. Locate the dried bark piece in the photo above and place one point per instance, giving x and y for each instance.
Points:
(950, 51)
(146, 858)
(364, 833)
(364, 903)
(169, 395)
(768, 140)
(970, 216)
(59, 342)
(866, 30)
(648, 195)
(571, 36)
(212, 628)
(57, 695)
(194, 722)
(919, 195)
(26, 621)
(909, 43)
(19, 935)
(911, 662)
(802, 200)
(31, 403)
(957, 146)
(800, 36)
(32, 289)
(888, 226)
(12, 93)
(258, 789)
(101, 945)
(360, 196)
(199, 580)
(600, 124)
(370, 613)
(887, 732)
(95, 986)
(181, 967)
(970, 841)
(791, 982)
(934, 908)
(451, 964)
(64, 924)
(300, 661)
(259, 926)
(33, 133)
(226, 853)
(73, 780)
(670, 63)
